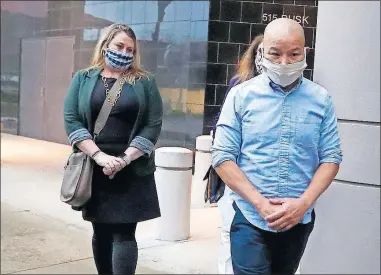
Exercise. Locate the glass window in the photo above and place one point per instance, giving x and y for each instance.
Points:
(170, 12)
(91, 34)
(138, 30)
(110, 11)
(138, 12)
(182, 31)
(197, 10)
(206, 10)
(183, 10)
(166, 31)
(127, 13)
(149, 29)
(199, 31)
(151, 12)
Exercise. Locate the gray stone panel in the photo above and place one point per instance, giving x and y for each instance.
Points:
(347, 57)
(346, 237)
(361, 149)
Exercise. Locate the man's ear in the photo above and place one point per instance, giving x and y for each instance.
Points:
(307, 49)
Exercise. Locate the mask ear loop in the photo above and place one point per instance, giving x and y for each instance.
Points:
(258, 60)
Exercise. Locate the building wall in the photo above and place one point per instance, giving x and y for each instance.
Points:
(346, 238)
(173, 42)
(232, 27)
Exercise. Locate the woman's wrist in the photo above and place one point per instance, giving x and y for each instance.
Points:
(125, 158)
(95, 154)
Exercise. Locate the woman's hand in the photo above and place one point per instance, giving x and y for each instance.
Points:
(109, 163)
(111, 172)
(102, 159)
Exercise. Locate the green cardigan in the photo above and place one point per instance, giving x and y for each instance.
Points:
(145, 132)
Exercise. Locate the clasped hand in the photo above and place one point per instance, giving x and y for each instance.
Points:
(284, 213)
(111, 165)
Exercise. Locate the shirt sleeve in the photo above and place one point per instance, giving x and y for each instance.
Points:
(329, 143)
(232, 83)
(73, 123)
(227, 142)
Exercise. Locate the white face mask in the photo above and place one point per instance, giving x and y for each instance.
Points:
(283, 75)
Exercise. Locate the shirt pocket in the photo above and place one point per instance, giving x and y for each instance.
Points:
(307, 132)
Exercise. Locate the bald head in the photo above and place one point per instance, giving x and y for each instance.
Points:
(284, 28)
(285, 37)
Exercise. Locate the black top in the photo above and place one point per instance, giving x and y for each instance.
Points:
(113, 139)
(127, 198)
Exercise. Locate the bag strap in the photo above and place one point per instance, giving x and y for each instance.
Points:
(107, 106)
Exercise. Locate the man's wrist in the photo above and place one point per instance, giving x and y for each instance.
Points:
(307, 202)
(258, 201)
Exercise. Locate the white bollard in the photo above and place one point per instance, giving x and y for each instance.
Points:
(203, 161)
(173, 178)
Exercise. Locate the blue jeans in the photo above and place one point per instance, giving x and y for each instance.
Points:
(255, 251)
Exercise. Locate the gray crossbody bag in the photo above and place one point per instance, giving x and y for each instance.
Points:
(78, 171)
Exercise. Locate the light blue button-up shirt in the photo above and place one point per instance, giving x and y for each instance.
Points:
(277, 139)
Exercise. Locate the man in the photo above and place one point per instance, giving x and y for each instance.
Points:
(277, 147)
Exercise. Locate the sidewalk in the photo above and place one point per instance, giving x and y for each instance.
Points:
(31, 173)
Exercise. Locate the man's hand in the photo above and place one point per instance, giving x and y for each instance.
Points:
(266, 208)
(289, 214)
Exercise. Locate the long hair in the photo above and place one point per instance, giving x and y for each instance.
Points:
(246, 67)
(135, 71)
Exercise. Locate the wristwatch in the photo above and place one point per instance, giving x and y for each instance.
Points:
(126, 158)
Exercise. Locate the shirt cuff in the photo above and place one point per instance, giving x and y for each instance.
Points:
(79, 135)
(219, 157)
(143, 144)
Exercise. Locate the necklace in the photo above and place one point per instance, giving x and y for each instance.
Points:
(120, 88)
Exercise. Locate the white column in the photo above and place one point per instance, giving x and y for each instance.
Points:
(173, 178)
(202, 162)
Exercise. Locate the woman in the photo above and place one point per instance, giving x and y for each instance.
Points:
(248, 67)
(123, 191)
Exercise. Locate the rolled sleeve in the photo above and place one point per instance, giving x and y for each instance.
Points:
(79, 135)
(227, 141)
(329, 144)
(143, 144)
(147, 137)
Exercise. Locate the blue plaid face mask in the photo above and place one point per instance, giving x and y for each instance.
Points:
(118, 60)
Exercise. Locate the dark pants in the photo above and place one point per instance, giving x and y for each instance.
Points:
(115, 248)
(255, 251)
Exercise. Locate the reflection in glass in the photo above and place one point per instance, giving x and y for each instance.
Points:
(111, 11)
(138, 12)
(197, 10)
(183, 10)
(151, 12)
(139, 31)
(91, 34)
(166, 32)
(181, 32)
(199, 31)
(173, 40)
(127, 12)
(170, 11)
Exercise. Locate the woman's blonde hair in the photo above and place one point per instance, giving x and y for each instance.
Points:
(135, 71)
(246, 67)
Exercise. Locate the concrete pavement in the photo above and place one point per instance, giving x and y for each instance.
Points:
(31, 244)
(40, 234)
